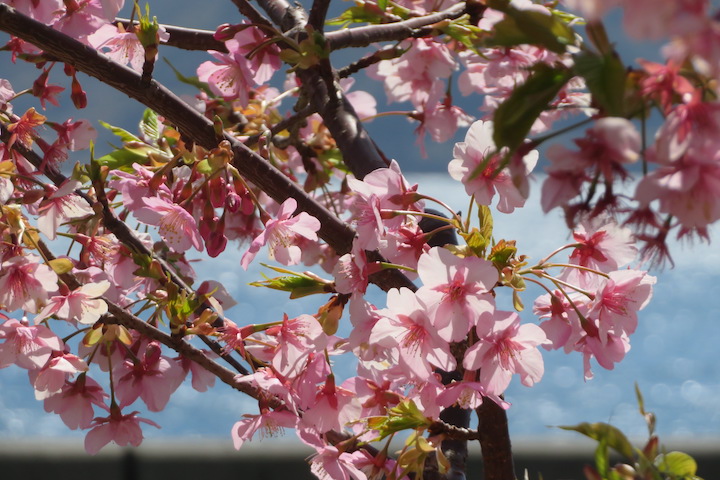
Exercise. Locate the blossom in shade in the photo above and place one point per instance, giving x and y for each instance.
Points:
(280, 235)
(331, 464)
(51, 379)
(121, 429)
(82, 305)
(59, 207)
(74, 403)
(152, 377)
(510, 348)
(25, 283)
(270, 423)
(27, 346)
(176, 226)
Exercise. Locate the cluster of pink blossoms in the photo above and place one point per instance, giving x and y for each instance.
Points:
(198, 200)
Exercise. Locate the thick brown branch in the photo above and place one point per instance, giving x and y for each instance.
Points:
(318, 13)
(364, 36)
(495, 442)
(283, 14)
(252, 14)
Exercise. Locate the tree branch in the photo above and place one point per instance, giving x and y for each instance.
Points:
(495, 442)
(126, 237)
(190, 123)
(123, 317)
(367, 35)
(185, 38)
(318, 12)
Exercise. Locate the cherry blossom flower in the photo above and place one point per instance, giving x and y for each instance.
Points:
(603, 245)
(27, 346)
(120, 429)
(280, 233)
(51, 379)
(74, 403)
(81, 305)
(617, 302)
(561, 322)
(510, 348)
(202, 379)
(135, 188)
(121, 46)
(270, 423)
(81, 18)
(414, 75)
(295, 339)
(381, 189)
(46, 11)
(25, 283)
(265, 61)
(153, 378)
(332, 408)
(75, 135)
(406, 325)
(688, 189)
(177, 227)
(351, 272)
(457, 289)
(331, 464)
(605, 149)
(45, 92)
(233, 77)
(478, 151)
(60, 206)
(23, 130)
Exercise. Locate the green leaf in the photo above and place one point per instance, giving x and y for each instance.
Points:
(516, 115)
(192, 81)
(61, 265)
(517, 302)
(603, 432)
(486, 221)
(679, 464)
(121, 159)
(357, 14)
(605, 78)
(149, 125)
(602, 458)
(382, 4)
(520, 27)
(476, 241)
(122, 133)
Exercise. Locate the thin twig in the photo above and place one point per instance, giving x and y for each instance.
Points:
(367, 35)
(185, 38)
